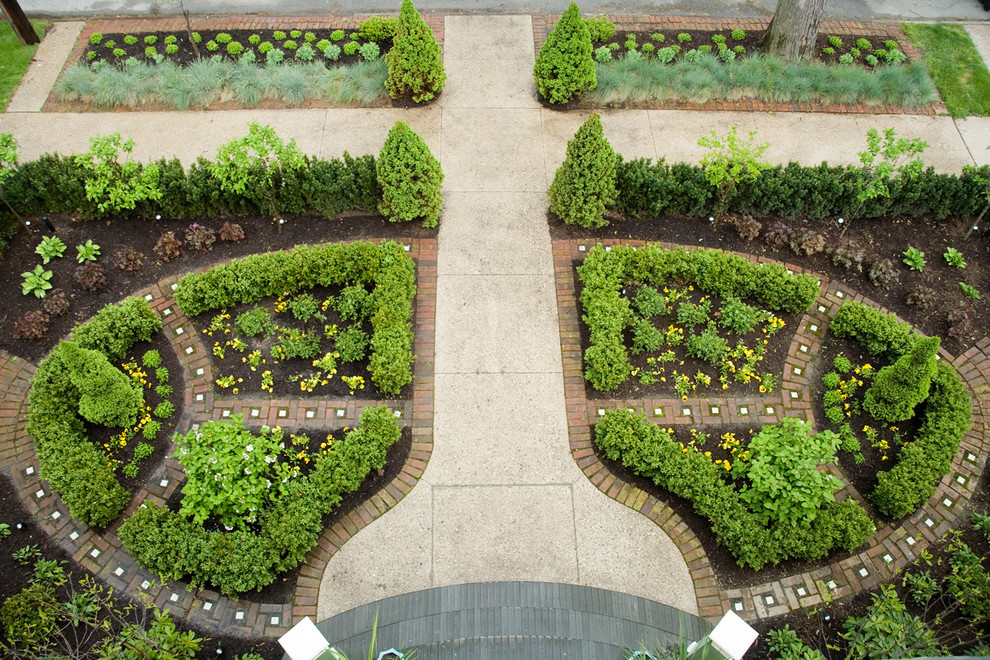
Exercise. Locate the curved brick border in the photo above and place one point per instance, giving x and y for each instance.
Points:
(102, 553)
(543, 24)
(888, 550)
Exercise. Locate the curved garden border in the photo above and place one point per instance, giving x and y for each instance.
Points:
(888, 550)
(102, 554)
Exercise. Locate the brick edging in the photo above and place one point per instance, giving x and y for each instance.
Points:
(205, 608)
(888, 551)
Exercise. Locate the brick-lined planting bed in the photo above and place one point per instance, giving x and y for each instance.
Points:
(102, 554)
(889, 550)
(543, 25)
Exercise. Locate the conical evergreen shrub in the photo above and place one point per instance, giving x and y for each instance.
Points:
(108, 397)
(898, 388)
(584, 186)
(415, 65)
(410, 178)
(565, 66)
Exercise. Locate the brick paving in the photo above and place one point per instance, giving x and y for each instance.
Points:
(889, 550)
(543, 25)
(101, 553)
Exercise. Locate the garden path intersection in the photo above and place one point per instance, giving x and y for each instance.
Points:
(501, 484)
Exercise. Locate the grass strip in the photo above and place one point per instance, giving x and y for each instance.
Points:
(955, 65)
(14, 59)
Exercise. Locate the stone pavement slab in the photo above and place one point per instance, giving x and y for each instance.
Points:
(975, 132)
(38, 134)
(45, 66)
(498, 232)
(505, 82)
(362, 131)
(492, 149)
(500, 429)
(496, 324)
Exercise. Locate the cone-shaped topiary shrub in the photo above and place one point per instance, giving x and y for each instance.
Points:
(108, 398)
(565, 66)
(415, 65)
(410, 178)
(897, 389)
(584, 186)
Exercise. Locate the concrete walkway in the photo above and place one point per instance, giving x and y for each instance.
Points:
(501, 498)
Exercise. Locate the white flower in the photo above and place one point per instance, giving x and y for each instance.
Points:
(247, 470)
(249, 448)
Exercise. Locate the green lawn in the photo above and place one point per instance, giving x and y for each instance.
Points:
(14, 59)
(955, 66)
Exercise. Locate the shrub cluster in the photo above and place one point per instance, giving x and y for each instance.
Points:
(73, 466)
(607, 313)
(652, 190)
(239, 561)
(652, 452)
(389, 306)
(923, 461)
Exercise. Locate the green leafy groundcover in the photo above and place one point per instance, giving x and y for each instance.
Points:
(653, 452)
(73, 466)
(386, 266)
(241, 560)
(922, 462)
(607, 313)
(955, 65)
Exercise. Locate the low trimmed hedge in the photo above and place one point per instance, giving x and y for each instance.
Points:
(652, 452)
(384, 265)
(652, 190)
(234, 562)
(607, 313)
(56, 184)
(922, 462)
(73, 466)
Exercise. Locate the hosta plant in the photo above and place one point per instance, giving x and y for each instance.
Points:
(37, 281)
(954, 258)
(914, 259)
(50, 248)
(87, 251)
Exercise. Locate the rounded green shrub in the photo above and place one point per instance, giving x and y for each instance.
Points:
(415, 64)
(584, 185)
(410, 177)
(107, 395)
(564, 66)
(898, 388)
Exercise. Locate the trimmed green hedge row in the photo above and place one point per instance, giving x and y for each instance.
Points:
(652, 190)
(238, 561)
(389, 305)
(652, 452)
(56, 184)
(73, 466)
(922, 462)
(607, 313)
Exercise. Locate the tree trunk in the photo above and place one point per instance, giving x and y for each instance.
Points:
(794, 27)
(22, 26)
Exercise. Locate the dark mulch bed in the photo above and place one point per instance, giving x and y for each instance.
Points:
(186, 54)
(881, 239)
(261, 235)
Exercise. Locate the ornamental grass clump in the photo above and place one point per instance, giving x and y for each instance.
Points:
(565, 66)
(584, 185)
(410, 178)
(415, 64)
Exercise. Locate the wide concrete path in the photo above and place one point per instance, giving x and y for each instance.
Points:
(501, 498)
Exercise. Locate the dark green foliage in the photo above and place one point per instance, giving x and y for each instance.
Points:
(898, 388)
(352, 344)
(608, 314)
(107, 396)
(652, 190)
(389, 305)
(653, 453)
(923, 461)
(927, 458)
(70, 463)
(584, 185)
(564, 66)
(256, 321)
(415, 64)
(410, 178)
(239, 561)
